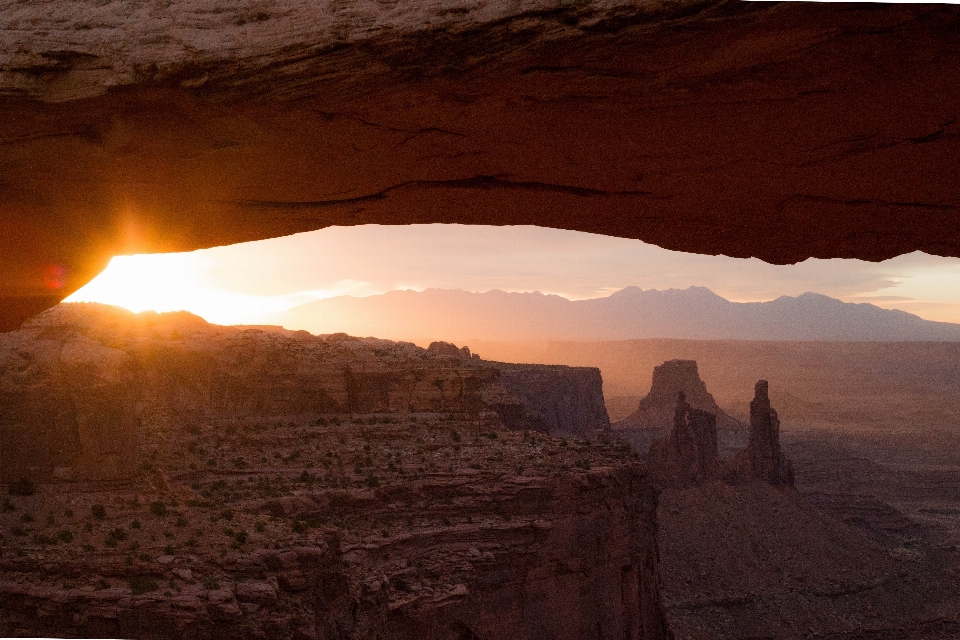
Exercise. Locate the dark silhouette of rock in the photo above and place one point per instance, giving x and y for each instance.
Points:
(658, 409)
(766, 460)
(689, 454)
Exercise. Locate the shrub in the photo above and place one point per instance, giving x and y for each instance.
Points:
(39, 538)
(6, 506)
(372, 481)
(241, 536)
(117, 535)
(65, 535)
(158, 508)
(135, 524)
(400, 584)
(142, 584)
(22, 487)
(99, 511)
(456, 436)
(227, 514)
(211, 583)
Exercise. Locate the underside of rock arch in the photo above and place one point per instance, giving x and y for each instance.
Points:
(776, 130)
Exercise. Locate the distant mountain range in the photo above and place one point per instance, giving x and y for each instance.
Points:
(693, 313)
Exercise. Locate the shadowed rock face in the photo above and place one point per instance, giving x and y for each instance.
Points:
(689, 454)
(766, 459)
(780, 131)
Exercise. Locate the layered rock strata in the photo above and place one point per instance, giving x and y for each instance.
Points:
(77, 379)
(362, 527)
(556, 399)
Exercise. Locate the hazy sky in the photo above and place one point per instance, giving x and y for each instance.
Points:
(245, 282)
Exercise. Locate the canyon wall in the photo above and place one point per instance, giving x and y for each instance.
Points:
(78, 378)
(366, 525)
(565, 401)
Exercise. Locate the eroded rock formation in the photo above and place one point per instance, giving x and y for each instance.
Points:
(763, 457)
(776, 130)
(658, 408)
(689, 454)
(559, 400)
(77, 379)
(364, 527)
(446, 349)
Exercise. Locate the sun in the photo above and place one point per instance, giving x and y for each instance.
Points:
(173, 282)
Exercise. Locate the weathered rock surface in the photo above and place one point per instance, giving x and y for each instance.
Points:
(447, 349)
(77, 379)
(441, 527)
(657, 409)
(776, 130)
(67, 407)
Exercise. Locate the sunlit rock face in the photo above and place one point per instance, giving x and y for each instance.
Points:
(780, 131)
(77, 382)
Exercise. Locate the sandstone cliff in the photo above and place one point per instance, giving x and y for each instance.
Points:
(563, 401)
(77, 378)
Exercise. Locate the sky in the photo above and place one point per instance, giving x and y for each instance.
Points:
(246, 283)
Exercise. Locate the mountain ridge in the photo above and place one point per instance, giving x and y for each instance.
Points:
(630, 313)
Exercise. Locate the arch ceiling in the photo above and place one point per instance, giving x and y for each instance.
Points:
(776, 130)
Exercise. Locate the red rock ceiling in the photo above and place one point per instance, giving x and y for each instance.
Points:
(780, 131)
